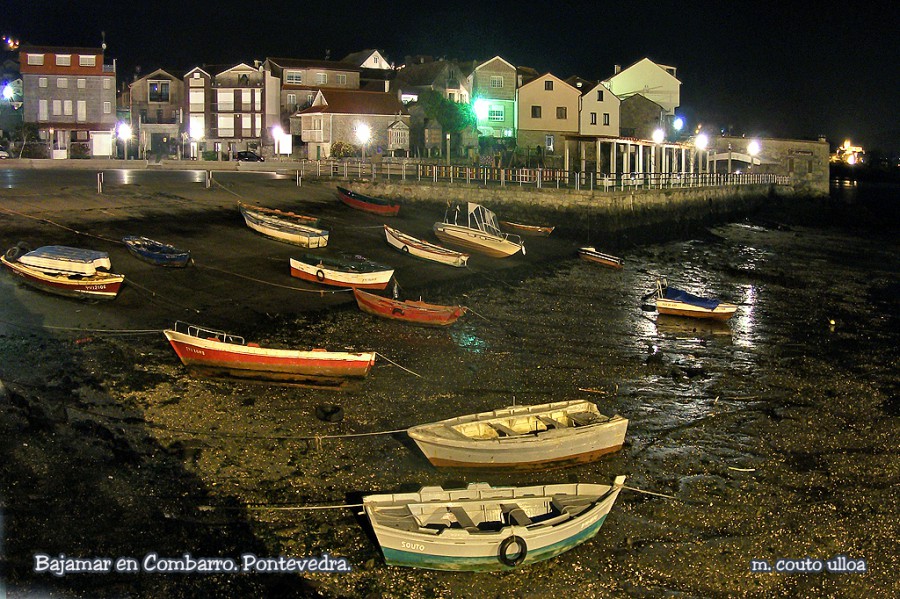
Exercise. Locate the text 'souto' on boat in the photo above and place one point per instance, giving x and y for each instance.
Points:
(219, 353)
(591, 254)
(66, 271)
(483, 528)
(552, 434)
(474, 227)
(288, 227)
(411, 311)
(369, 204)
(348, 272)
(423, 249)
(156, 252)
(677, 302)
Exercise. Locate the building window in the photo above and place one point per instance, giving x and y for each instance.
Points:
(593, 118)
(548, 86)
(246, 99)
(341, 79)
(81, 111)
(42, 110)
(107, 107)
(197, 100)
(36, 59)
(196, 81)
(62, 83)
(67, 107)
(809, 167)
(535, 112)
(495, 113)
(226, 125)
(548, 143)
(309, 99)
(87, 61)
(451, 96)
(57, 107)
(606, 119)
(293, 77)
(321, 78)
(599, 95)
(82, 83)
(42, 82)
(158, 91)
(257, 99)
(63, 60)
(496, 81)
(107, 83)
(561, 112)
(292, 100)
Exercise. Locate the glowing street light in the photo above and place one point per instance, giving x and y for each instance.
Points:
(753, 150)
(8, 92)
(363, 134)
(658, 136)
(124, 133)
(701, 142)
(482, 108)
(678, 124)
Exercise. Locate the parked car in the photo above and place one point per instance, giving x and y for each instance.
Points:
(3, 154)
(249, 156)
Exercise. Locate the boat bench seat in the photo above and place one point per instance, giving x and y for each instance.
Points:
(550, 422)
(505, 430)
(572, 508)
(515, 514)
(462, 516)
(584, 418)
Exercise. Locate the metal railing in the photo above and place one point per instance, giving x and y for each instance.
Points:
(537, 178)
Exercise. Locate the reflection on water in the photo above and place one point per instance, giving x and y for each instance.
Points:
(466, 339)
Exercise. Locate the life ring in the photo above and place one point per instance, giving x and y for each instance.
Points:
(397, 311)
(406, 249)
(13, 253)
(320, 275)
(519, 556)
(329, 412)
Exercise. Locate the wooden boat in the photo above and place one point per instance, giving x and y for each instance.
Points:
(480, 232)
(422, 249)
(284, 226)
(369, 204)
(60, 259)
(156, 252)
(552, 434)
(677, 302)
(99, 285)
(414, 312)
(529, 230)
(217, 352)
(592, 255)
(356, 272)
(482, 528)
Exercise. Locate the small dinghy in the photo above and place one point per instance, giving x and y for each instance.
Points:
(677, 302)
(592, 255)
(411, 311)
(349, 272)
(156, 252)
(66, 271)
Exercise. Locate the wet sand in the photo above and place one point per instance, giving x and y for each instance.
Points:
(775, 433)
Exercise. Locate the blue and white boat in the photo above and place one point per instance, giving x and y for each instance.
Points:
(482, 528)
(157, 252)
(61, 259)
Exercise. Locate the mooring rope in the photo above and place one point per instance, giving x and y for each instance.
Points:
(635, 489)
(81, 330)
(279, 285)
(398, 365)
(55, 224)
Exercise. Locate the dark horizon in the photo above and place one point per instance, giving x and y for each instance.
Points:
(767, 72)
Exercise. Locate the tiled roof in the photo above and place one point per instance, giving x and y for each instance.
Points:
(60, 50)
(300, 63)
(357, 102)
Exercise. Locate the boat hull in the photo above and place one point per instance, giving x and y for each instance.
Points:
(102, 286)
(280, 229)
(722, 312)
(464, 442)
(592, 255)
(529, 230)
(367, 204)
(325, 275)
(211, 355)
(474, 549)
(424, 250)
(475, 240)
(412, 312)
(157, 253)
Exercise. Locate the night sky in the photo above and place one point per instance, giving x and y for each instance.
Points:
(791, 70)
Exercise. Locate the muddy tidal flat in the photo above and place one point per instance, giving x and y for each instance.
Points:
(773, 435)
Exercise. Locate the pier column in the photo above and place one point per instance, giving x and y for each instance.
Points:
(612, 159)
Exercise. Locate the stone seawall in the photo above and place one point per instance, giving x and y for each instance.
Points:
(631, 215)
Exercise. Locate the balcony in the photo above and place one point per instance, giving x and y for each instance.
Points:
(312, 135)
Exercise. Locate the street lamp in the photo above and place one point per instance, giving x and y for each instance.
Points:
(752, 150)
(363, 134)
(658, 136)
(277, 134)
(701, 142)
(124, 133)
(195, 132)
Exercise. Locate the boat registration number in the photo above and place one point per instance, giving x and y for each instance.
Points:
(413, 546)
(95, 287)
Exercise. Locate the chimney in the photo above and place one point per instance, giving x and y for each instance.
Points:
(617, 69)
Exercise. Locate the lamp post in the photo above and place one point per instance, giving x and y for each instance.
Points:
(363, 134)
(752, 150)
(124, 133)
(277, 134)
(51, 142)
(658, 137)
(700, 142)
(195, 131)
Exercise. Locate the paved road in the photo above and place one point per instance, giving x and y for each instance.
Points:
(16, 178)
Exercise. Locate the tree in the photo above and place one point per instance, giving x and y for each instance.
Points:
(452, 116)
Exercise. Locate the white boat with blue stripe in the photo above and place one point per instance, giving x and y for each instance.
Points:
(483, 528)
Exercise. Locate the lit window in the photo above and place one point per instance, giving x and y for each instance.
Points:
(87, 61)
(107, 83)
(321, 78)
(535, 112)
(107, 107)
(42, 82)
(82, 83)
(495, 113)
(496, 81)
(292, 100)
(606, 118)
(57, 107)
(67, 107)
(36, 59)
(63, 60)
(62, 83)
(548, 143)
(42, 110)
(342, 79)
(293, 77)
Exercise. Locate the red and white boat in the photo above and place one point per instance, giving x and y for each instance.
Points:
(677, 302)
(414, 312)
(217, 352)
(70, 272)
(356, 272)
(422, 249)
(369, 204)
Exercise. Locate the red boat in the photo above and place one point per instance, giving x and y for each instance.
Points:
(217, 352)
(100, 285)
(414, 312)
(367, 203)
